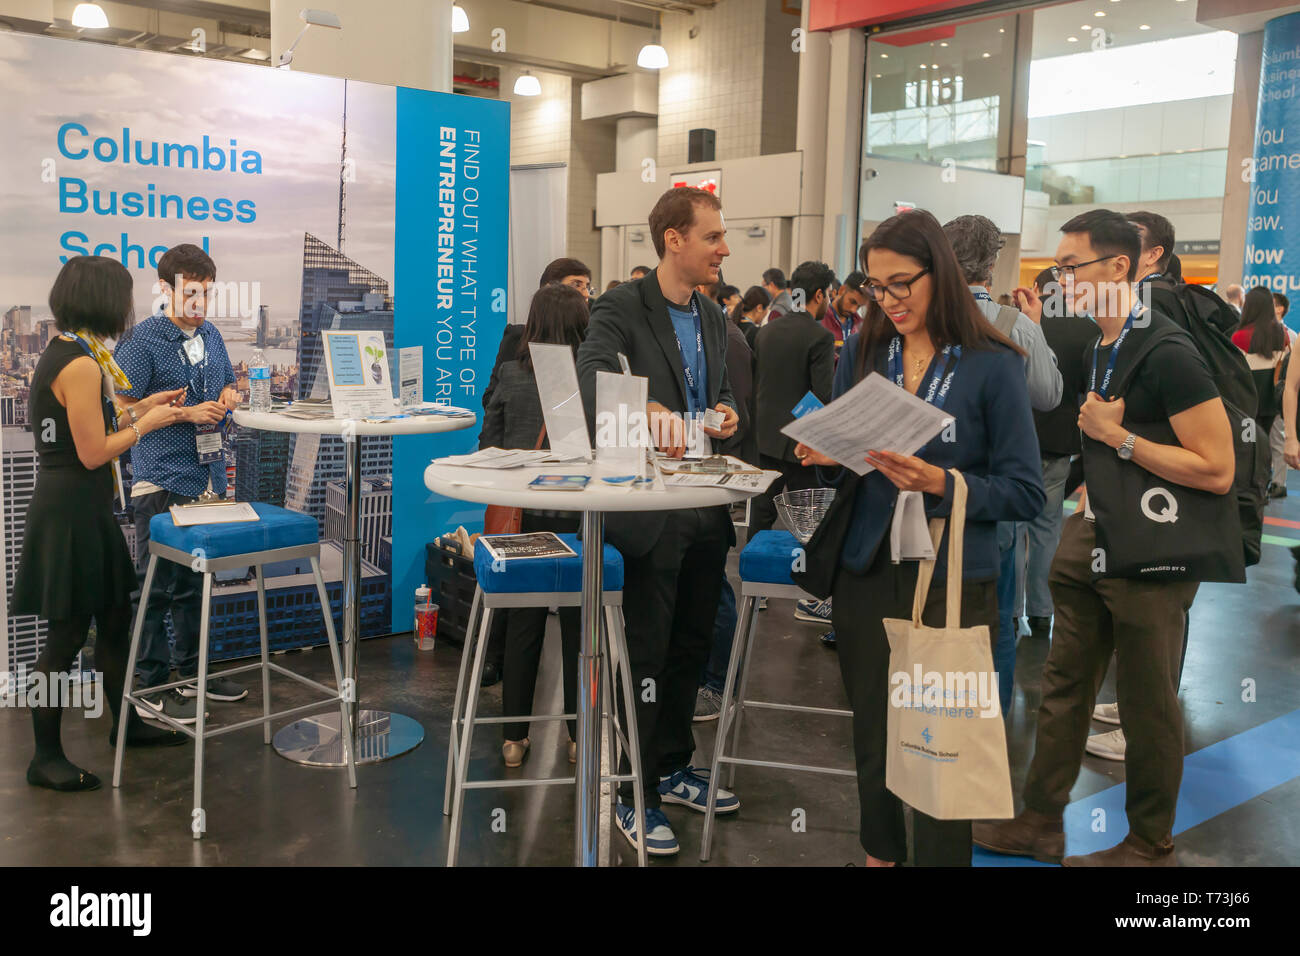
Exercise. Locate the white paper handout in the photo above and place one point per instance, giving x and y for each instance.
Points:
(874, 414)
(357, 364)
(557, 387)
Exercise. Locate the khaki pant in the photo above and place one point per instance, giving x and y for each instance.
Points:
(1141, 622)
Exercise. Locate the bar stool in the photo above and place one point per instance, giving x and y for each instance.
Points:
(765, 566)
(277, 535)
(540, 582)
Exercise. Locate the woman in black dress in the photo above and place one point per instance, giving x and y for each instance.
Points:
(557, 316)
(75, 565)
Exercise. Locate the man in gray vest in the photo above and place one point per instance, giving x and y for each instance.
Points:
(977, 242)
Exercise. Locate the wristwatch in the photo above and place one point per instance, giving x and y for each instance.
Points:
(1125, 450)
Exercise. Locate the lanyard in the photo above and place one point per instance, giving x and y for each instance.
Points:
(110, 410)
(694, 398)
(202, 366)
(936, 393)
(982, 295)
(1114, 353)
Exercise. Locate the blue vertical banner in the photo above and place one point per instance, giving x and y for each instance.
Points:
(1273, 228)
(453, 180)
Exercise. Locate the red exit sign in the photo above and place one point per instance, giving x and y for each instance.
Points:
(710, 180)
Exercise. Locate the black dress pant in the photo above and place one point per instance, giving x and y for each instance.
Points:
(525, 633)
(794, 477)
(861, 603)
(670, 600)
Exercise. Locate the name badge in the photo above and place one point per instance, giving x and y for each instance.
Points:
(208, 439)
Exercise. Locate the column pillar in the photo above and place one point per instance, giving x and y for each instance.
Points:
(810, 140)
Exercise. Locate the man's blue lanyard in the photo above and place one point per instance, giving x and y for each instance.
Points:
(940, 382)
(1114, 353)
(982, 295)
(695, 399)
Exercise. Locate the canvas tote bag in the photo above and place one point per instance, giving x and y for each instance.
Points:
(947, 747)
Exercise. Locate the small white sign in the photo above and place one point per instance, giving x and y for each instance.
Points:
(410, 374)
(357, 363)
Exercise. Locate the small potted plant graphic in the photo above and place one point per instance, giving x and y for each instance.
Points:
(377, 368)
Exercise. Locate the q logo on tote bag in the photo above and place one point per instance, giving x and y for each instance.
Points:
(946, 745)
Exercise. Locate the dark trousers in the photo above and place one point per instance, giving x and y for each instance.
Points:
(1142, 623)
(670, 600)
(794, 477)
(860, 603)
(175, 588)
(64, 641)
(525, 633)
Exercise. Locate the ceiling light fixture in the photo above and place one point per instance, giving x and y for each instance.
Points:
(1145, 26)
(987, 55)
(1071, 39)
(527, 85)
(652, 57)
(459, 19)
(89, 16)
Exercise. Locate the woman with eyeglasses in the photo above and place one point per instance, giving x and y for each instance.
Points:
(923, 332)
(75, 565)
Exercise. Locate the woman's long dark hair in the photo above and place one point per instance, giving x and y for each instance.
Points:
(1257, 313)
(754, 296)
(557, 316)
(953, 317)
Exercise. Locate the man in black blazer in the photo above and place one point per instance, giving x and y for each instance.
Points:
(674, 561)
(794, 354)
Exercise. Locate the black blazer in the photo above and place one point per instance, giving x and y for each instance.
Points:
(794, 354)
(633, 319)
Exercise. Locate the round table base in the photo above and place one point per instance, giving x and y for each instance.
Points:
(316, 742)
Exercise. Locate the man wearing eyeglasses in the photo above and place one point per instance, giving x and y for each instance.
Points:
(177, 348)
(1144, 373)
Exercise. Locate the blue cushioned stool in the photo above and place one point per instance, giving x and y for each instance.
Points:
(766, 564)
(540, 582)
(277, 535)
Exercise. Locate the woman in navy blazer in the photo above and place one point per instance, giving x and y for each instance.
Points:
(924, 332)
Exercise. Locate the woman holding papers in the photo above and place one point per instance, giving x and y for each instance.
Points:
(75, 565)
(557, 316)
(924, 334)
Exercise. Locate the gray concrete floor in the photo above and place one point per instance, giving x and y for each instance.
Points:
(264, 810)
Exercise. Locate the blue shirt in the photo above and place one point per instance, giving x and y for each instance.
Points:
(690, 341)
(153, 357)
(995, 449)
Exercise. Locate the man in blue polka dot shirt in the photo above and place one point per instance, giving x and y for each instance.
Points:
(177, 348)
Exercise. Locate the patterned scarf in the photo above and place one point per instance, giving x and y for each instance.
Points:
(114, 378)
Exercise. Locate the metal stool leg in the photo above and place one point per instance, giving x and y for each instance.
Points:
(466, 650)
(198, 822)
(136, 629)
(617, 636)
(266, 658)
(349, 740)
(462, 758)
(609, 713)
(744, 625)
(747, 655)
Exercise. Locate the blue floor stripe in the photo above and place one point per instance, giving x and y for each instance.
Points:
(1215, 779)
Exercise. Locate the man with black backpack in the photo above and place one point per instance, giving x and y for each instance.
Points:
(1158, 459)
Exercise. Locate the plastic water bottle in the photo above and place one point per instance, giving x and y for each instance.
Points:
(259, 383)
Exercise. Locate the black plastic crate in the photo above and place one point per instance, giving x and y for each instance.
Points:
(450, 577)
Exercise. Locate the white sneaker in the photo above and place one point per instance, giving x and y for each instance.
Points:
(1109, 746)
(1106, 713)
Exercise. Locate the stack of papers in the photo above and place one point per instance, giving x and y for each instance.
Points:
(739, 481)
(504, 458)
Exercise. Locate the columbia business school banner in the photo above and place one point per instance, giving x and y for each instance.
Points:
(326, 204)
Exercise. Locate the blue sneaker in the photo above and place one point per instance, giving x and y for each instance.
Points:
(662, 842)
(690, 788)
(813, 611)
(828, 640)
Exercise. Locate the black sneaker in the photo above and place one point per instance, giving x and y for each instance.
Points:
(1040, 627)
(828, 640)
(1276, 491)
(219, 688)
(173, 703)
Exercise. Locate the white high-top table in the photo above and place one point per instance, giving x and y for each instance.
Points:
(509, 487)
(378, 734)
